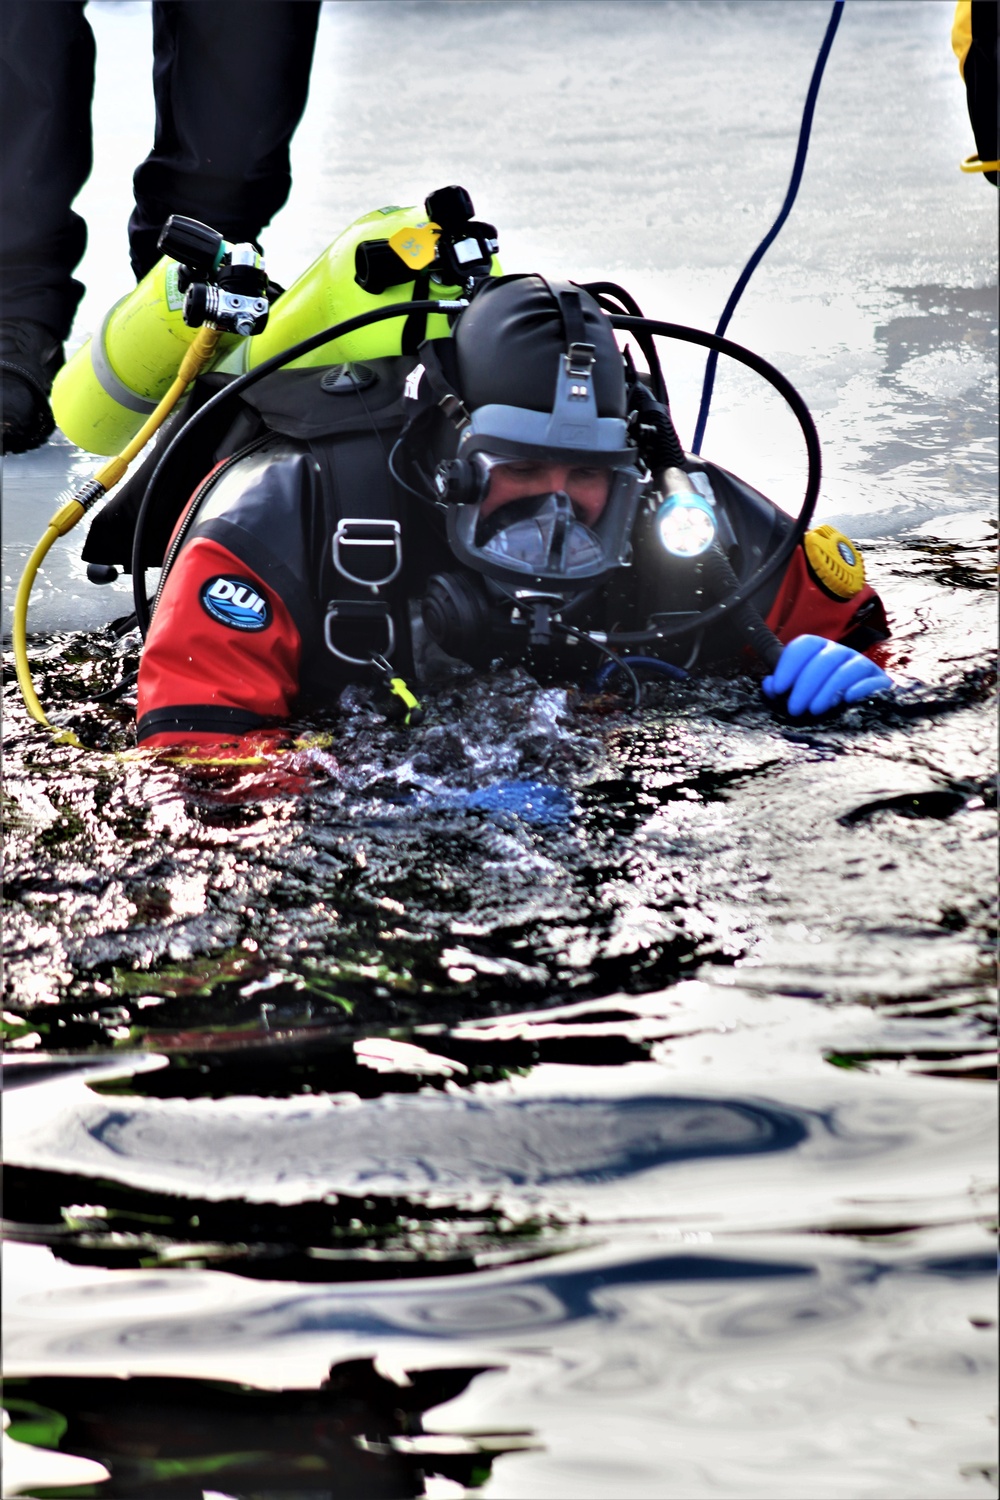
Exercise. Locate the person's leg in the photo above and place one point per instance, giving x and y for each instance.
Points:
(231, 78)
(981, 82)
(46, 89)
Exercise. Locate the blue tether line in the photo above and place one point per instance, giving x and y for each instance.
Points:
(786, 208)
(649, 663)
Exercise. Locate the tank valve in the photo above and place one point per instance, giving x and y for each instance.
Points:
(234, 299)
(229, 312)
(224, 288)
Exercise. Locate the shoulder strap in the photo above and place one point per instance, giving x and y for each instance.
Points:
(360, 579)
(415, 327)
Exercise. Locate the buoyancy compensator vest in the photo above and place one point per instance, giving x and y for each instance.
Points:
(308, 504)
(656, 602)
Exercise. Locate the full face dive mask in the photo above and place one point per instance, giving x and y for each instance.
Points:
(542, 383)
(538, 542)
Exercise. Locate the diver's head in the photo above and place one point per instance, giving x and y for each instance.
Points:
(543, 488)
(517, 330)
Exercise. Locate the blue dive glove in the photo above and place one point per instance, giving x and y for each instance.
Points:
(818, 674)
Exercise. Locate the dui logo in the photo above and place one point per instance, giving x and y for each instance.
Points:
(235, 602)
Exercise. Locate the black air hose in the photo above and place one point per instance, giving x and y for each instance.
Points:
(655, 433)
(720, 582)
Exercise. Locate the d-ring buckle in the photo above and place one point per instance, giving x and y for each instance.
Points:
(358, 617)
(355, 532)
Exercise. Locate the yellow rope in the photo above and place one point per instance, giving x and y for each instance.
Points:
(196, 357)
(973, 164)
(202, 760)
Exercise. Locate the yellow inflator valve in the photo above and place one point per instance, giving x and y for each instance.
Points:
(835, 562)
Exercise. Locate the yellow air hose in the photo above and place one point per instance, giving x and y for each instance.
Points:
(198, 355)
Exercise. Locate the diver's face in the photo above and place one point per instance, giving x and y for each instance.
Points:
(587, 488)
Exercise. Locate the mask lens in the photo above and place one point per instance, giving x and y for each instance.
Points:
(551, 540)
(541, 535)
(512, 480)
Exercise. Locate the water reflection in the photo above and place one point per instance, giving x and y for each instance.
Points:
(332, 1188)
(942, 388)
(169, 902)
(335, 1193)
(428, 1074)
(360, 1435)
(724, 1363)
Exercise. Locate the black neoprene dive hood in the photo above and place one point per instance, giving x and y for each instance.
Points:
(508, 340)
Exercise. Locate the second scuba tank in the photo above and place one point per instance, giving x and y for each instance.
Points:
(102, 396)
(390, 255)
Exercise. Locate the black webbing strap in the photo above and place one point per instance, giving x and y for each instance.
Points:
(441, 382)
(415, 327)
(567, 300)
(361, 572)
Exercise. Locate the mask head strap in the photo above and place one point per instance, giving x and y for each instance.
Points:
(573, 423)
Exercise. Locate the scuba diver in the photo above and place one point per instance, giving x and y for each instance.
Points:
(515, 493)
(466, 468)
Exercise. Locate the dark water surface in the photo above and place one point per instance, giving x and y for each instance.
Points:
(363, 1141)
(653, 1124)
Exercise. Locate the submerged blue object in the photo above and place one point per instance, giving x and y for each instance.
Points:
(535, 802)
(818, 675)
(643, 663)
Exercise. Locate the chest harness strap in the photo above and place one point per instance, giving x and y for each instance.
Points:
(365, 621)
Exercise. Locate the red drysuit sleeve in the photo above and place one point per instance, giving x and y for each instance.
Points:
(803, 607)
(221, 657)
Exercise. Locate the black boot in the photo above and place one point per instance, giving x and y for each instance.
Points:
(29, 357)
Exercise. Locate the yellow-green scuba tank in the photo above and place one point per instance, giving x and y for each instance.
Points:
(102, 396)
(358, 272)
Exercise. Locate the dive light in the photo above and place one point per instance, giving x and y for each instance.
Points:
(685, 521)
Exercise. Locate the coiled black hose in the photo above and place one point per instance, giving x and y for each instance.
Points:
(721, 582)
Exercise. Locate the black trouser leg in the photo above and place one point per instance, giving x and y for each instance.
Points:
(46, 89)
(981, 82)
(231, 78)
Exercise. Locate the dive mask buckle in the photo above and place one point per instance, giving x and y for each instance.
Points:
(580, 360)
